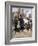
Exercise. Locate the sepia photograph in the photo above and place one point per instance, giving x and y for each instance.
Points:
(22, 21)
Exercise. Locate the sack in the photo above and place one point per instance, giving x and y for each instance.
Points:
(18, 26)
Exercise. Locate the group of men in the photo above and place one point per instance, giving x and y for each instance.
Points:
(22, 25)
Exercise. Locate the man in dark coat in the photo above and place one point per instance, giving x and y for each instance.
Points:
(21, 23)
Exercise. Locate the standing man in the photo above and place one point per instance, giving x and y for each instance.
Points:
(21, 22)
(16, 23)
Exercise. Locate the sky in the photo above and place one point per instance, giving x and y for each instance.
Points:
(26, 11)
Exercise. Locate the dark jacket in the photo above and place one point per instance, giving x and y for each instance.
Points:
(21, 22)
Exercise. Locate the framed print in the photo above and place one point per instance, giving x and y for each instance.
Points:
(20, 22)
